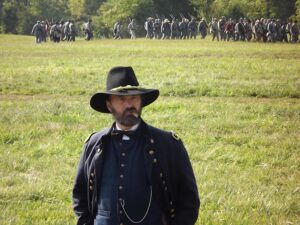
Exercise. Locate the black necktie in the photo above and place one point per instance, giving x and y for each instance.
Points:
(122, 132)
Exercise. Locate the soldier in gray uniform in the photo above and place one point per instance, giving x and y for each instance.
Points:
(149, 27)
(214, 29)
(44, 31)
(258, 30)
(271, 31)
(71, 31)
(62, 34)
(132, 29)
(55, 32)
(294, 32)
(118, 30)
(221, 28)
(288, 30)
(88, 31)
(37, 31)
(165, 29)
(248, 30)
(66, 31)
(156, 29)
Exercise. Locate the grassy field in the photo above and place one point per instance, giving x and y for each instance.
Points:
(236, 106)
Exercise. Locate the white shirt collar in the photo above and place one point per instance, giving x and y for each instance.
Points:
(133, 128)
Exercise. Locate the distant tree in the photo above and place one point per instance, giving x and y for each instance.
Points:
(92, 6)
(203, 7)
(297, 13)
(77, 9)
(282, 9)
(113, 10)
(56, 9)
(272, 8)
(175, 7)
(246, 8)
(11, 12)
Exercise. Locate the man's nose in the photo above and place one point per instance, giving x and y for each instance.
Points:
(128, 103)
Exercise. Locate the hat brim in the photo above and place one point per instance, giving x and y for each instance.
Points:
(98, 100)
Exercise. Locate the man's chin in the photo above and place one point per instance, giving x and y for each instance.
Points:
(130, 121)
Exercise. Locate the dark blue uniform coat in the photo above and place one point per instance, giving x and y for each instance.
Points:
(168, 169)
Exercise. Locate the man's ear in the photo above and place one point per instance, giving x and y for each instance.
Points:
(108, 105)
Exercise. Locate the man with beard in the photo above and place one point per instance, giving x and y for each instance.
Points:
(132, 172)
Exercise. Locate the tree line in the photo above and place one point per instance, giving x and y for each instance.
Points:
(19, 16)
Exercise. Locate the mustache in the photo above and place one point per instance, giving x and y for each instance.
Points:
(133, 111)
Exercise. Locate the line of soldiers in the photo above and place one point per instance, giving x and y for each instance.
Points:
(266, 30)
(63, 31)
(164, 29)
(60, 31)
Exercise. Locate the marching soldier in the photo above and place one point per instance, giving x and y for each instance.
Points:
(165, 29)
(156, 29)
(149, 27)
(214, 29)
(37, 31)
(88, 31)
(174, 29)
(294, 32)
(203, 28)
(118, 30)
(55, 32)
(132, 29)
(192, 28)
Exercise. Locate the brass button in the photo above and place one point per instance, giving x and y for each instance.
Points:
(151, 152)
(172, 210)
(122, 165)
(172, 215)
(120, 187)
(99, 150)
(91, 188)
(166, 188)
(123, 154)
(91, 181)
(151, 140)
(164, 182)
(155, 160)
(121, 212)
(171, 203)
(92, 174)
(121, 176)
(161, 175)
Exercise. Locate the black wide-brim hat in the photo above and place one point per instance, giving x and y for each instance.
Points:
(122, 81)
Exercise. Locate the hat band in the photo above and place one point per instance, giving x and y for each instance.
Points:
(124, 88)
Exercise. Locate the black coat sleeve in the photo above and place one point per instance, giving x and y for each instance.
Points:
(186, 192)
(80, 191)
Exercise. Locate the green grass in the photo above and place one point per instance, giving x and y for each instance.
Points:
(235, 105)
